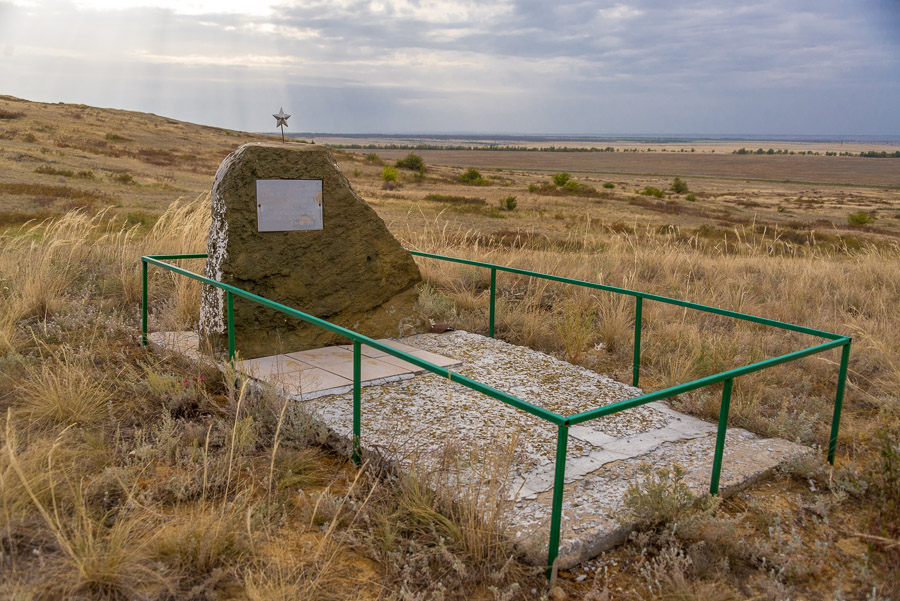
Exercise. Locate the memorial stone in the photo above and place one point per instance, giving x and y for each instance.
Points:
(287, 226)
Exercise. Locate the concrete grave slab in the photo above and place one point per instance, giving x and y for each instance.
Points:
(429, 423)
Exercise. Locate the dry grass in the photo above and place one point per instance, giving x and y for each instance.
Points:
(124, 474)
(64, 390)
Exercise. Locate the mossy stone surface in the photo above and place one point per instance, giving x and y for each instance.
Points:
(353, 272)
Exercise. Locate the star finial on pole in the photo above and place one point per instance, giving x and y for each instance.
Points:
(281, 121)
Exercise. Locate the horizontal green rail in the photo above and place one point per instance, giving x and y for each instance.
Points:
(644, 295)
(351, 335)
(561, 422)
(665, 393)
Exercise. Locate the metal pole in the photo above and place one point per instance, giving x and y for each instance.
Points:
(357, 412)
(229, 302)
(143, 303)
(838, 402)
(636, 368)
(559, 481)
(720, 437)
(493, 301)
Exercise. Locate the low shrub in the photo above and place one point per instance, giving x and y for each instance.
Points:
(373, 157)
(651, 191)
(692, 198)
(472, 176)
(509, 203)
(48, 170)
(860, 218)
(679, 186)
(122, 177)
(455, 199)
(412, 162)
(389, 174)
(609, 185)
(562, 178)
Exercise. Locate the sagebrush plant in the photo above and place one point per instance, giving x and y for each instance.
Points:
(661, 497)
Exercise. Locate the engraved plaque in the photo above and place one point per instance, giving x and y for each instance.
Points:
(288, 205)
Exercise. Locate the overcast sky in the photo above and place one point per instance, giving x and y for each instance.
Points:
(513, 66)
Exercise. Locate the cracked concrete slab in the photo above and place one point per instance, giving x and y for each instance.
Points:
(488, 450)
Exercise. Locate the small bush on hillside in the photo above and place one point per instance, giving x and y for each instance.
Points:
(651, 191)
(455, 199)
(679, 186)
(373, 157)
(412, 162)
(609, 185)
(48, 170)
(473, 177)
(692, 198)
(562, 178)
(122, 177)
(860, 218)
(509, 203)
(389, 174)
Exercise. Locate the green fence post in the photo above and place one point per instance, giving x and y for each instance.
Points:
(559, 481)
(143, 302)
(493, 301)
(229, 303)
(838, 402)
(636, 369)
(720, 437)
(357, 412)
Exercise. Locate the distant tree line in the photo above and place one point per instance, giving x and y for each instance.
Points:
(874, 154)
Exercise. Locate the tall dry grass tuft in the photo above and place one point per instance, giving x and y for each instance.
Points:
(182, 229)
(40, 262)
(95, 557)
(64, 390)
(76, 255)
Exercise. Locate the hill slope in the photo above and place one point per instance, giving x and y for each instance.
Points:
(60, 156)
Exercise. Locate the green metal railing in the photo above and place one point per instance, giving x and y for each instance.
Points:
(561, 422)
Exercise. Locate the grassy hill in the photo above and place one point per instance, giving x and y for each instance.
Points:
(125, 474)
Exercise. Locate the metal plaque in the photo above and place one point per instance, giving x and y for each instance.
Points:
(288, 205)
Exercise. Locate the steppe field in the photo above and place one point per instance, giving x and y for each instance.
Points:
(129, 474)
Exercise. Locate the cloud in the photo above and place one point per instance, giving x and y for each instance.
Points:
(573, 66)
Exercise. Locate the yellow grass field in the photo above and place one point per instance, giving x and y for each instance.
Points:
(129, 475)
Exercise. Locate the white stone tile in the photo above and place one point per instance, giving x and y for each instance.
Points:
(271, 367)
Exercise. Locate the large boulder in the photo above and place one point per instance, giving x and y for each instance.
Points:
(351, 272)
